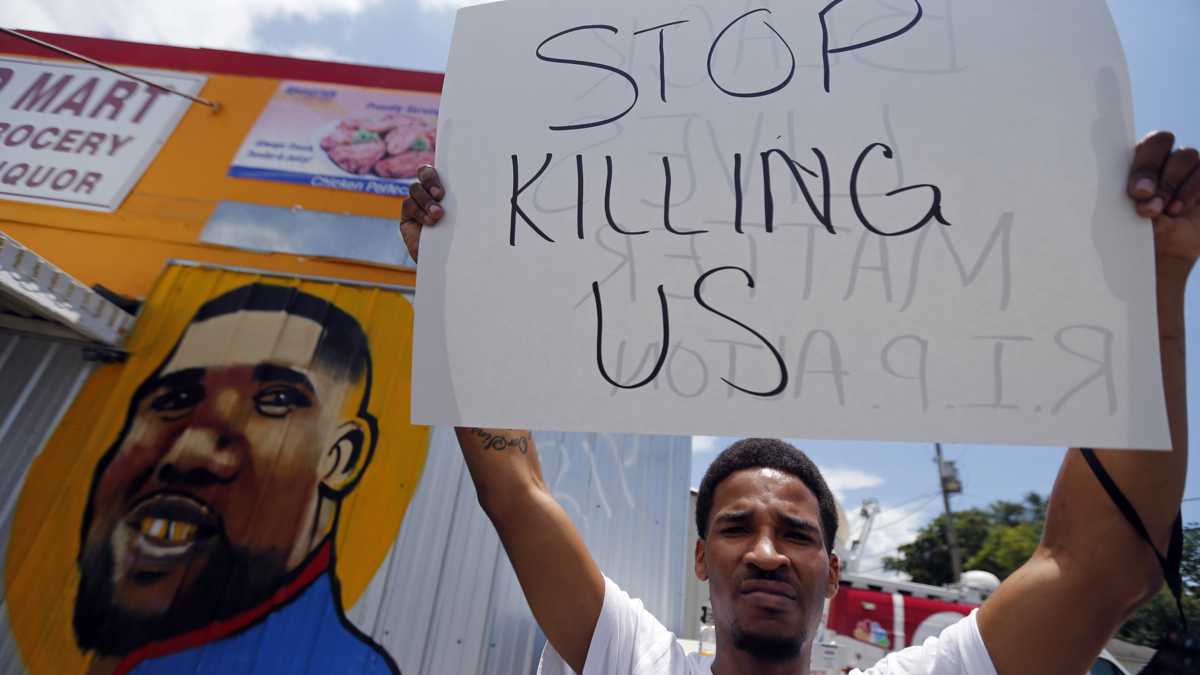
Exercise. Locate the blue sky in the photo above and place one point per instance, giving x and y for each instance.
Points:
(1159, 39)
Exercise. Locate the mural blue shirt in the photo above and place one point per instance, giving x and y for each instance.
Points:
(303, 631)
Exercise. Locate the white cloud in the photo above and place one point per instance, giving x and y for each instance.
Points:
(843, 479)
(221, 24)
(893, 528)
(315, 53)
(444, 5)
(704, 444)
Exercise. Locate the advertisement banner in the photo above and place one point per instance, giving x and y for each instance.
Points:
(341, 137)
(79, 137)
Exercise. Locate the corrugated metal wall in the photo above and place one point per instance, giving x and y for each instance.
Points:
(38, 380)
(446, 601)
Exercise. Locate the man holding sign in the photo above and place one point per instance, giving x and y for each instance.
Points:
(766, 529)
(808, 219)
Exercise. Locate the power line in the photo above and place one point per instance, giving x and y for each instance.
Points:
(906, 502)
(881, 552)
(75, 55)
(910, 514)
(900, 505)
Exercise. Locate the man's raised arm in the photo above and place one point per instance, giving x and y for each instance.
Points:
(562, 583)
(1091, 569)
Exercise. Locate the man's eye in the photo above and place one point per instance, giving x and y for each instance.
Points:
(736, 530)
(799, 536)
(279, 401)
(177, 400)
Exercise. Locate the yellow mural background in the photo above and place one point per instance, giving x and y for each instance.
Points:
(40, 572)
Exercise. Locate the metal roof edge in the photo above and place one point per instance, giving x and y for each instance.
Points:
(40, 288)
(358, 283)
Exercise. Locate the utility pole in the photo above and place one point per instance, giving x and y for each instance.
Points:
(948, 477)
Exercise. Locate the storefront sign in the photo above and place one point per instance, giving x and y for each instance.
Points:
(340, 137)
(80, 137)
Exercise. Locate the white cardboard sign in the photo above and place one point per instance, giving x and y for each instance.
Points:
(817, 219)
(76, 136)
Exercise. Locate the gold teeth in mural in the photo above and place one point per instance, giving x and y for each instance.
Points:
(171, 531)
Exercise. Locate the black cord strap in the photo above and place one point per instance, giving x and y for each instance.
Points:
(1169, 563)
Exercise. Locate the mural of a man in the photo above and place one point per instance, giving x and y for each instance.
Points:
(207, 542)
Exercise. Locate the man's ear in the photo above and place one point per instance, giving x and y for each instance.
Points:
(835, 575)
(343, 462)
(701, 564)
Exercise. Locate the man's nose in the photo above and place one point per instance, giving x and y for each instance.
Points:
(201, 455)
(764, 555)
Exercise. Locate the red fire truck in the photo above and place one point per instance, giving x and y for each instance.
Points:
(870, 617)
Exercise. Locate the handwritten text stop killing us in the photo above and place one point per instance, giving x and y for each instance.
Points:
(810, 176)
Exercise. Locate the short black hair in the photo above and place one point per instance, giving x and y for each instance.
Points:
(342, 347)
(767, 453)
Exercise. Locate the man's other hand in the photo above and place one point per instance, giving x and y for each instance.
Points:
(422, 207)
(1165, 184)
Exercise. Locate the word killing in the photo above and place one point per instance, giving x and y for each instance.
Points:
(822, 211)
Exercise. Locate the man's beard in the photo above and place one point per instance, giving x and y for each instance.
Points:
(231, 581)
(768, 648)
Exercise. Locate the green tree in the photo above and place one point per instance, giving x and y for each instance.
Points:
(1151, 621)
(998, 539)
(927, 558)
(1006, 548)
(1001, 537)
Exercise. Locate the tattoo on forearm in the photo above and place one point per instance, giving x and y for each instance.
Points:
(500, 443)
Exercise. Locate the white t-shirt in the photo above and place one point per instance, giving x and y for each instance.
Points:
(629, 641)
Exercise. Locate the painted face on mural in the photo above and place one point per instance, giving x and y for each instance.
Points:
(229, 472)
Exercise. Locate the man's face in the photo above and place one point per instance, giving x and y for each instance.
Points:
(212, 495)
(765, 562)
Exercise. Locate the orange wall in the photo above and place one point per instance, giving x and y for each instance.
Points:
(163, 215)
